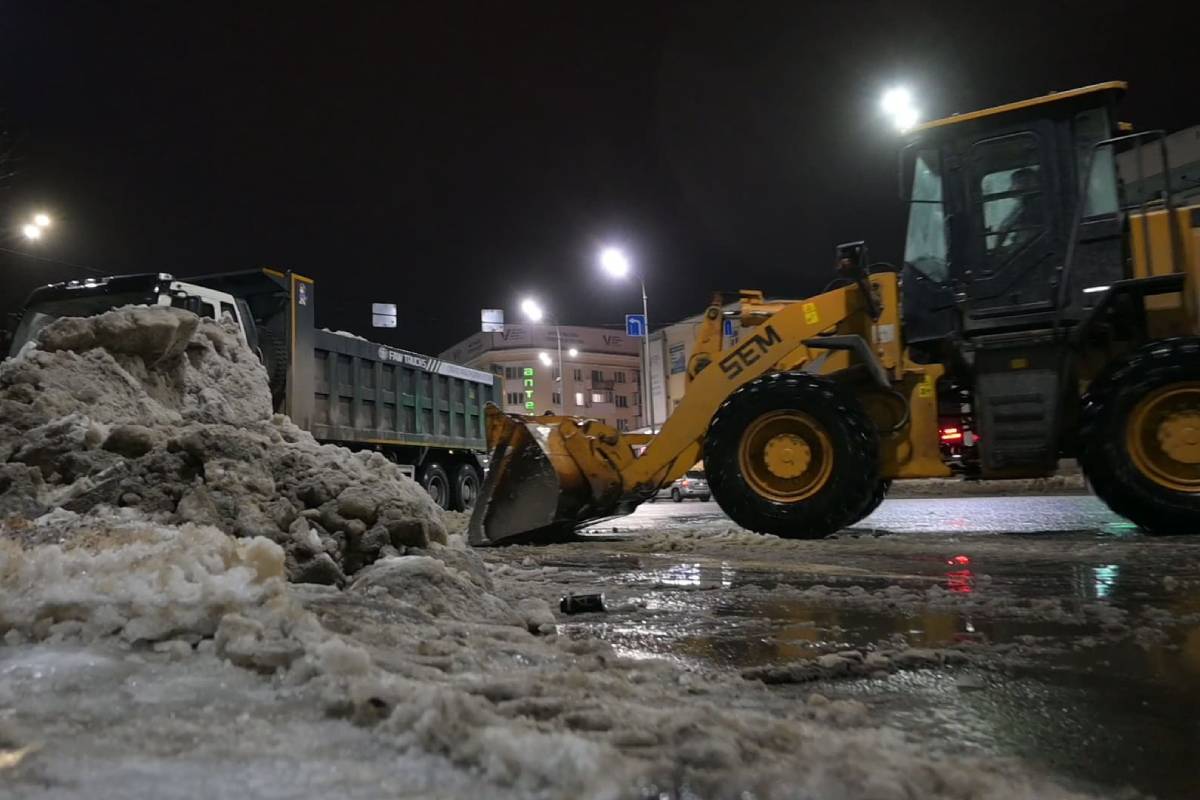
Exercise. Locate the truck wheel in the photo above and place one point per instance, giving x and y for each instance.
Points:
(792, 454)
(436, 483)
(675, 495)
(1140, 436)
(466, 487)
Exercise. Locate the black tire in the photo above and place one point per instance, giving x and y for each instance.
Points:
(675, 495)
(465, 487)
(881, 490)
(704, 498)
(853, 458)
(1108, 409)
(436, 483)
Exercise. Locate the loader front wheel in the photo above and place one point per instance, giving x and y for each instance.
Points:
(792, 454)
(1140, 436)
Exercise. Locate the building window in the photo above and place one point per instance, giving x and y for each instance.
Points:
(602, 397)
(622, 424)
(497, 369)
(597, 376)
(579, 400)
(578, 375)
(637, 377)
(556, 398)
(514, 398)
(619, 376)
(512, 373)
(622, 401)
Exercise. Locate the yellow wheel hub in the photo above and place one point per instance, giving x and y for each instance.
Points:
(1163, 436)
(785, 456)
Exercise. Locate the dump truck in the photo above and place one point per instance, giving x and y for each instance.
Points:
(420, 412)
(1047, 302)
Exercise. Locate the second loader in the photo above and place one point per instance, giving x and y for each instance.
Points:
(1049, 296)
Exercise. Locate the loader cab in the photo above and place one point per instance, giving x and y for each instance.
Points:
(992, 200)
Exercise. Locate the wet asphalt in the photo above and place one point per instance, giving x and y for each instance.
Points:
(1109, 707)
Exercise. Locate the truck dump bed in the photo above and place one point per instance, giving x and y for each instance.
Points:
(370, 393)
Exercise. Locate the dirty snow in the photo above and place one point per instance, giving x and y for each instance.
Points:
(160, 411)
(152, 508)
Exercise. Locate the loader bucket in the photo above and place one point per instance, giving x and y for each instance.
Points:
(535, 491)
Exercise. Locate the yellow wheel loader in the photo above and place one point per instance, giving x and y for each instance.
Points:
(1047, 304)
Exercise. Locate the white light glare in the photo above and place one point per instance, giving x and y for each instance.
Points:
(573, 352)
(898, 104)
(896, 100)
(41, 220)
(32, 232)
(544, 357)
(532, 311)
(1094, 289)
(906, 118)
(614, 262)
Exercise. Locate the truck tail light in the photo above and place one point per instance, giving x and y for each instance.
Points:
(951, 434)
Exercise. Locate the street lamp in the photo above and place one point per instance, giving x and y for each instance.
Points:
(614, 261)
(36, 227)
(573, 353)
(897, 103)
(534, 312)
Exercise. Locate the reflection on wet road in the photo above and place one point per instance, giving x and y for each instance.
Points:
(1084, 634)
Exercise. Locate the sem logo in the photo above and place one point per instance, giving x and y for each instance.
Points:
(758, 344)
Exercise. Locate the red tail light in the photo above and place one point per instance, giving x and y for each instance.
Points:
(951, 434)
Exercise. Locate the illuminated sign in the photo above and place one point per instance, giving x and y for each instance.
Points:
(529, 404)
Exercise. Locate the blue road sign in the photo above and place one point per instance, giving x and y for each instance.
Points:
(728, 327)
(635, 325)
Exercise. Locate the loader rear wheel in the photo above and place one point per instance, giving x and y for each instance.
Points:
(1140, 436)
(792, 454)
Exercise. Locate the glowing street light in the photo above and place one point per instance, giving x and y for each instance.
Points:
(616, 264)
(897, 103)
(41, 220)
(534, 312)
(573, 352)
(31, 232)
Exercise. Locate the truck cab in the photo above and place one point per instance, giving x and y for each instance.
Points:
(85, 298)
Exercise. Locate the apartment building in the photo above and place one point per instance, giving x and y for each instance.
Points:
(600, 375)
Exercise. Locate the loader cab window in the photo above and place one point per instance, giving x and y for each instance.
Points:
(1009, 194)
(1095, 166)
(925, 244)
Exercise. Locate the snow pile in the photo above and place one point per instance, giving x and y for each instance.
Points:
(137, 582)
(159, 410)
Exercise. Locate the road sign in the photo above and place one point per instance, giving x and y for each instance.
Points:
(383, 315)
(635, 325)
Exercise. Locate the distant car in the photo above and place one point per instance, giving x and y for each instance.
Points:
(692, 485)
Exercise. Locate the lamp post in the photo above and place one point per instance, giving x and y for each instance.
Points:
(616, 264)
(534, 313)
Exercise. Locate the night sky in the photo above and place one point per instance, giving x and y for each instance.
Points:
(452, 156)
